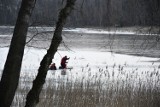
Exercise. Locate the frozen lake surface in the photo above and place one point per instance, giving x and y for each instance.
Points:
(92, 66)
(91, 49)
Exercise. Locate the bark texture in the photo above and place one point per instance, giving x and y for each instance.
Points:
(33, 95)
(11, 72)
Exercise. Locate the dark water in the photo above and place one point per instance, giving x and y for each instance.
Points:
(143, 45)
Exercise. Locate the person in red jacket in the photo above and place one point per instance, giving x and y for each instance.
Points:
(64, 61)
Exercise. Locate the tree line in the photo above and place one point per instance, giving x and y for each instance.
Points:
(88, 13)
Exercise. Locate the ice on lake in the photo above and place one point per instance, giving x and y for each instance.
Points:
(86, 64)
(90, 56)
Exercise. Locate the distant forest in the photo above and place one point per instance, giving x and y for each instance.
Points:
(88, 13)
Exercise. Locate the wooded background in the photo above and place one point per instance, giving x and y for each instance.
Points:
(88, 13)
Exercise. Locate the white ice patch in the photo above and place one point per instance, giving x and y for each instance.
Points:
(5, 35)
(80, 59)
(94, 31)
(87, 65)
(108, 31)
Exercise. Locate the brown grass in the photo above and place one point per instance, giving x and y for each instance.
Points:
(107, 88)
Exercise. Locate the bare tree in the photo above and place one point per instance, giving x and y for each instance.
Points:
(11, 72)
(33, 95)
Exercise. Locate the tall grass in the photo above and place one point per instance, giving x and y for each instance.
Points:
(115, 86)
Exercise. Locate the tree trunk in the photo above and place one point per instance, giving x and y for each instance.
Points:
(33, 95)
(11, 72)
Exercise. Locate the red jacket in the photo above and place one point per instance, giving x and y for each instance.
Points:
(64, 60)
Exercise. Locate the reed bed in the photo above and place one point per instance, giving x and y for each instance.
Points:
(115, 86)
